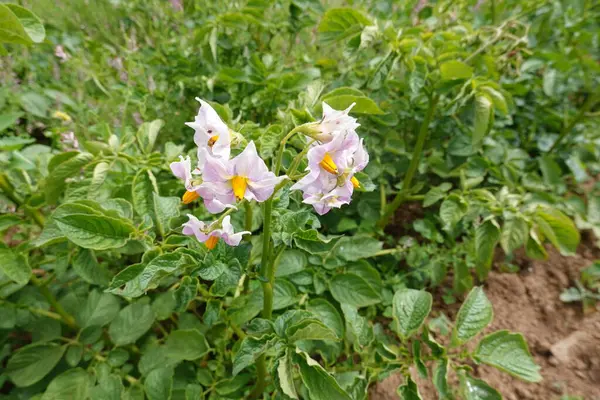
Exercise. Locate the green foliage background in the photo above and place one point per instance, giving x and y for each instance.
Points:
(483, 114)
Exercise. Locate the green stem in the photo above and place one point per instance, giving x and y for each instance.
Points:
(589, 103)
(66, 317)
(414, 164)
(248, 219)
(265, 262)
(279, 157)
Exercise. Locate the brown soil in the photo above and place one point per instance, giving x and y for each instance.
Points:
(563, 341)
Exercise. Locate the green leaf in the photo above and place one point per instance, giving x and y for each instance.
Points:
(285, 375)
(454, 69)
(290, 262)
(436, 193)
(534, 247)
(93, 231)
(551, 171)
(359, 325)
(353, 248)
(87, 267)
(186, 344)
(509, 353)
(558, 229)
(341, 23)
(146, 201)
(165, 208)
(14, 142)
(15, 266)
(410, 308)
(475, 314)
(409, 391)
(549, 82)
(11, 28)
(250, 349)
(158, 385)
(33, 362)
(440, 378)
(451, 212)
(354, 290)
(99, 310)
(284, 294)
(55, 181)
(327, 314)
(487, 236)
(185, 293)
(98, 177)
(147, 134)
(497, 98)
(131, 323)
(514, 234)
(363, 104)
(71, 384)
(320, 385)
(476, 389)
(31, 23)
(311, 329)
(482, 122)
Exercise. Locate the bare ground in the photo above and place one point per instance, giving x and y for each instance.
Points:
(563, 341)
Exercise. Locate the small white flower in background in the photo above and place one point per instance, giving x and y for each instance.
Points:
(59, 52)
(70, 140)
(209, 234)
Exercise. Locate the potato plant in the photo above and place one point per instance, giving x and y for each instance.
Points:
(245, 244)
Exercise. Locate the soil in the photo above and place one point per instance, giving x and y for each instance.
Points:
(564, 341)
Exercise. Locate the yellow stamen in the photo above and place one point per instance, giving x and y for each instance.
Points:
(239, 184)
(212, 140)
(328, 164)
(355, 182)
(211, 242)
(188, 197)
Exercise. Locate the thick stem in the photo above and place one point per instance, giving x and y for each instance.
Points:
(414, 164)
(66, 317)
(587, 106)
(265, 263)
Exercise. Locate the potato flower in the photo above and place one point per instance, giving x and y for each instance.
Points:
(209, 234)
(211, 133)
(243, 177)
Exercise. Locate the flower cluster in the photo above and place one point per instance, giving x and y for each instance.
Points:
(335, 156)
(219, 180)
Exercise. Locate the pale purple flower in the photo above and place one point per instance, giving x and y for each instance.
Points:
(182, 169)
(332, 158)
(334, 122)
(59, 52)
(211, 133)
(243, 177)
(326, 193)
(69, 140)
(332, 165)
(209, 234)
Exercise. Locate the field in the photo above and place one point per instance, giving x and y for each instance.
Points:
(300, 199)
